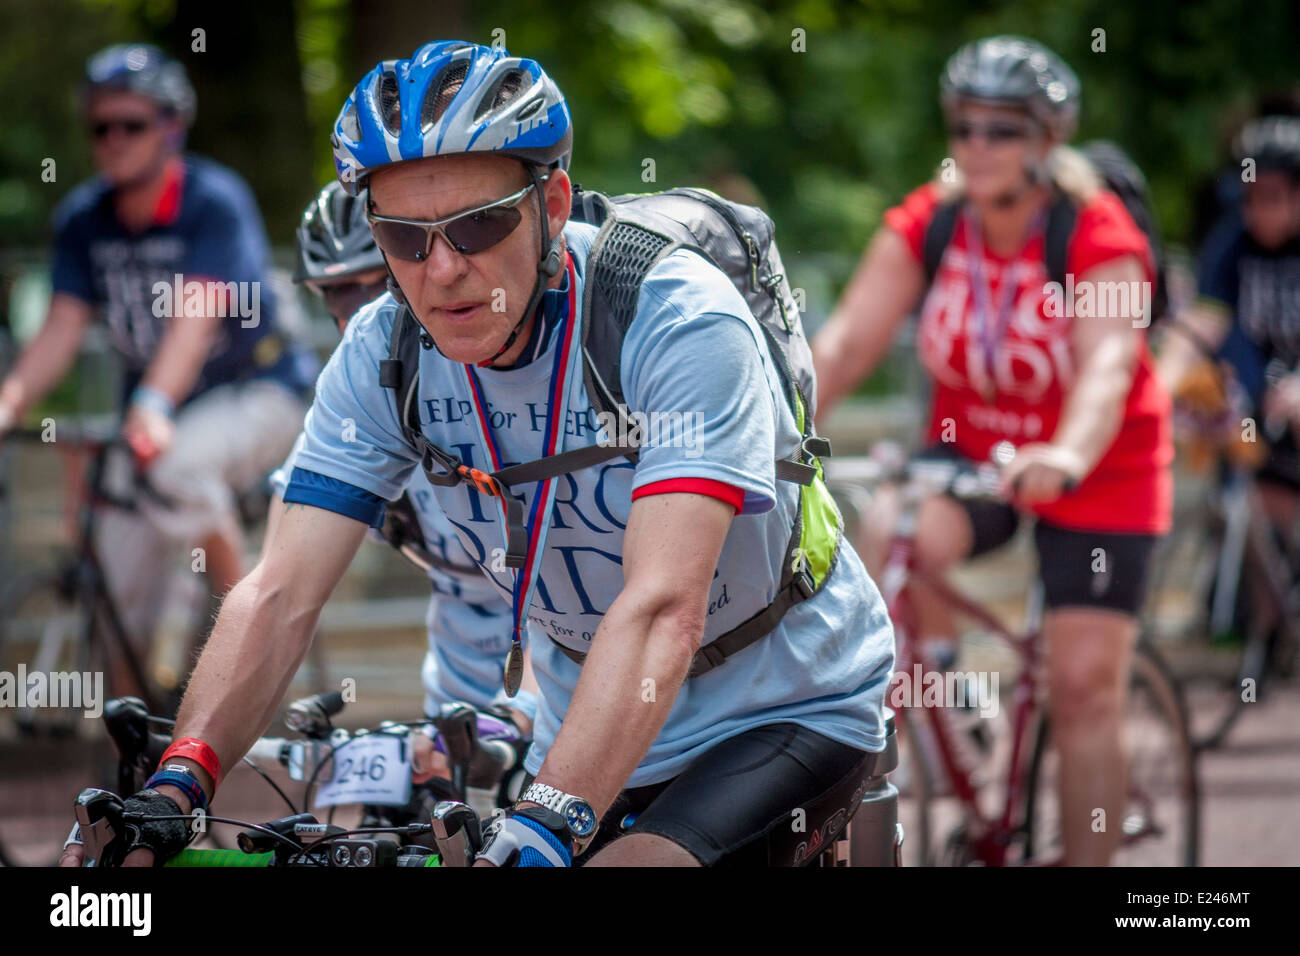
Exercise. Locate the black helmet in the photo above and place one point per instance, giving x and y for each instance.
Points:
(1273, 142)
(1015, 71)
(141, 68)
(334, 239)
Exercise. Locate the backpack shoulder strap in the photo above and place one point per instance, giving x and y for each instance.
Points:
(401, 372)
(1062, 216)
(937, 236)
(625, 250)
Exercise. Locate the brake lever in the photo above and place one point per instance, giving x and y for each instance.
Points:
(457, 833)
(457, 725)
(99, 819)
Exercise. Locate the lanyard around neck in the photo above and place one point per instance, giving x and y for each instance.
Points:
(991, 325)
(563, 366)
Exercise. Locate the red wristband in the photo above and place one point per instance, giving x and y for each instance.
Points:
(191, 748)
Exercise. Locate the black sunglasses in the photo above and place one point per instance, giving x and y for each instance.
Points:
(992, 132)
(132, 127)
(467, 232)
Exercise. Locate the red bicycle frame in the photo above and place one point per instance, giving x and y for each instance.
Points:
(990, 838)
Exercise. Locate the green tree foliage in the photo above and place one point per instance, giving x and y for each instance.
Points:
(826, 127)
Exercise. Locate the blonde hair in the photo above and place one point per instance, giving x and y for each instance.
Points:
(1067, 168)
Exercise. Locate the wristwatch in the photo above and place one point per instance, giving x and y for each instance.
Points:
(577, 813)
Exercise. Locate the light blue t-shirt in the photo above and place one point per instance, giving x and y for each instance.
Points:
(468, 624)
(694, 349)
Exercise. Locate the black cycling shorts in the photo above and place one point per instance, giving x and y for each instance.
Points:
(735, 805)
(1092, 569)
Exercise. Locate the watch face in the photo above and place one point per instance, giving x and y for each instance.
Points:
(580, 817)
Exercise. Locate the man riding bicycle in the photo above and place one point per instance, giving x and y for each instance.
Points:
(625, 570)
(1248, 307)
(167, 249)
(1069, 386)
(468, 622)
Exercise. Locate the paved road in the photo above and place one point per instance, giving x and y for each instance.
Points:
(1251, 786)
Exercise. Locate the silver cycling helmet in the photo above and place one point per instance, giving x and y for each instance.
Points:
(1014, 71)
(334, 240)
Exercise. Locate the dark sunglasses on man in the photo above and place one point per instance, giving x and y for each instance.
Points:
(994, 133)
(133, 126)
(469, 232)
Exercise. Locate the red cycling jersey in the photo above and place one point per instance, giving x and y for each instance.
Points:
(1020, 398)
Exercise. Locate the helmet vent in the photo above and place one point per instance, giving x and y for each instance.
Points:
(530, 108)
(502, 93)
(440, 95)
(349, 123)
(390, 104)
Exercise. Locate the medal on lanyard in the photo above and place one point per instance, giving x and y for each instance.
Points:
(538, 521)
(990, 326)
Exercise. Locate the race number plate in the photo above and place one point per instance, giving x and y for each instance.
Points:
(374, 768)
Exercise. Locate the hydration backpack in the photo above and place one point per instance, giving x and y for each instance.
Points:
(1119, 174)
(636, 233)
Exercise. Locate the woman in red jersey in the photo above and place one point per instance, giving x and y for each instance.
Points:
(1061, 371)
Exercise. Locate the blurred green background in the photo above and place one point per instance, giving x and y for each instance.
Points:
(713, 91)
(709, 89)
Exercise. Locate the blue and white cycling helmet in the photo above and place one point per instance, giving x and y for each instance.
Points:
(142, 68)
(451, 97)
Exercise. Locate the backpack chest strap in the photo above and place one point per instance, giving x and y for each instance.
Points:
(497, 484)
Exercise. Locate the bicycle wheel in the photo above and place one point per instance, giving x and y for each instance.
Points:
(42, 632)
(1263, 619)
(48, 753)
(1160, 824)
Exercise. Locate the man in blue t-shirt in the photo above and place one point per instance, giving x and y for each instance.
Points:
(630, 571)
(167, 250)
(468, 624)
(1247, 312)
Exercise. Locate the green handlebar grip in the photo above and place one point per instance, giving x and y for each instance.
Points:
(219, 858)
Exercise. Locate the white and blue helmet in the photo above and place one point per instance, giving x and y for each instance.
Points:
(451, 97)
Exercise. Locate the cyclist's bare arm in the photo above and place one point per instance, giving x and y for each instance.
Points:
(46, 358)
(181, 354)
(884, 289)
(1105, 353)
(1207, 320)
(260, 637)
(263, 632)
(643, 647)
(528, 682)
(273, 514)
